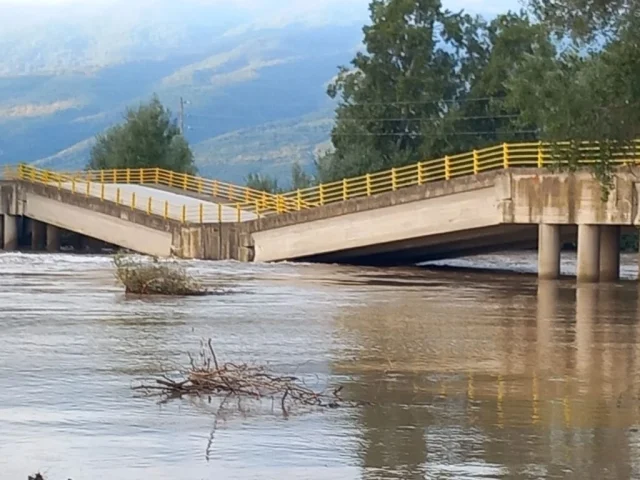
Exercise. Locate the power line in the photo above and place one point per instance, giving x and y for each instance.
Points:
(446, 134)
(359, 104)
(419, 119)
(471, 117)
(427, 102)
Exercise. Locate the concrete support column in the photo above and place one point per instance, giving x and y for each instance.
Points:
(609, 253)
(10, 240)
(38, 234)
(53, 238)
(588, 253)
(549, 252)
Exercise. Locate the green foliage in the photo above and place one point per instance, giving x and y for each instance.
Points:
(586, 89)
(267, 183)
(431, 83)
(300, 179)
(263, 183)
(147, 138)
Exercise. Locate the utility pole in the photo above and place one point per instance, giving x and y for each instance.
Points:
(182, 116)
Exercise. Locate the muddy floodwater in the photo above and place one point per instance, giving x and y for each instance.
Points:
(470, 374)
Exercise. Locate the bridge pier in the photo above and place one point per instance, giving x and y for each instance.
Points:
(549, 245)
(609, 253)
(53, 238)
(588, 268)
(38, 235)
(10, 232)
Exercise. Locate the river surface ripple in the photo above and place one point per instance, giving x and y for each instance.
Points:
(471, 374)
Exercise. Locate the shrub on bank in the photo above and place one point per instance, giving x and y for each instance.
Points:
(155, 277)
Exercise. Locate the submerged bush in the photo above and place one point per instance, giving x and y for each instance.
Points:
(155, 277)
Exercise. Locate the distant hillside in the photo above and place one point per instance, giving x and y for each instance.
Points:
(267, 149)
(255, 91)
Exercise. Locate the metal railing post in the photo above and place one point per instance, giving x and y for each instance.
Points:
(476, 162)
(505, 155)
(368, 184)
(540, 161)
(447, 167)
(394, 181)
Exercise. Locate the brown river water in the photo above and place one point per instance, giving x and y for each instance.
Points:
(470, 374)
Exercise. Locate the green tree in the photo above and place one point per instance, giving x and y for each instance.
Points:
(263, 183)
(149, 137)
(395, 93)
(266, 183)
(586, 88)
(299, 178)
(430, 83)
(483, 109)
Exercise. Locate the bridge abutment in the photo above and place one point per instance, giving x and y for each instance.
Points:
(609, 253)
(549, 245)
(588, 268)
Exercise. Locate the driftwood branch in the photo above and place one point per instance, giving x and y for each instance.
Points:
(212, 378)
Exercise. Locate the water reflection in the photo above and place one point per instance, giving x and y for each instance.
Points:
(469, 375)
(540, 381)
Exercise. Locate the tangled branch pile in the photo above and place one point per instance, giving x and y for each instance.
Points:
(143, 277)
(209, 377)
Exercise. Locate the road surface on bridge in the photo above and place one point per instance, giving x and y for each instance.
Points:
(161, 202)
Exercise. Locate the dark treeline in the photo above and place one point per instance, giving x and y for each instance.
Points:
(432, 82)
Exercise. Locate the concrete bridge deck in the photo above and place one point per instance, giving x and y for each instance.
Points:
(478, 202)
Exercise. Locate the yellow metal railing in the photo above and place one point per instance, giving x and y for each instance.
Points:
(247, 203)
(507, 155)
(204, 187)
(195, 211)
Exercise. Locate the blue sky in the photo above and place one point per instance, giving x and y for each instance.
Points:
(480, 6)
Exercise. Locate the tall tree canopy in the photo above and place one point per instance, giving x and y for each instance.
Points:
(586, 89)
(149, 137)
(432, 82)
